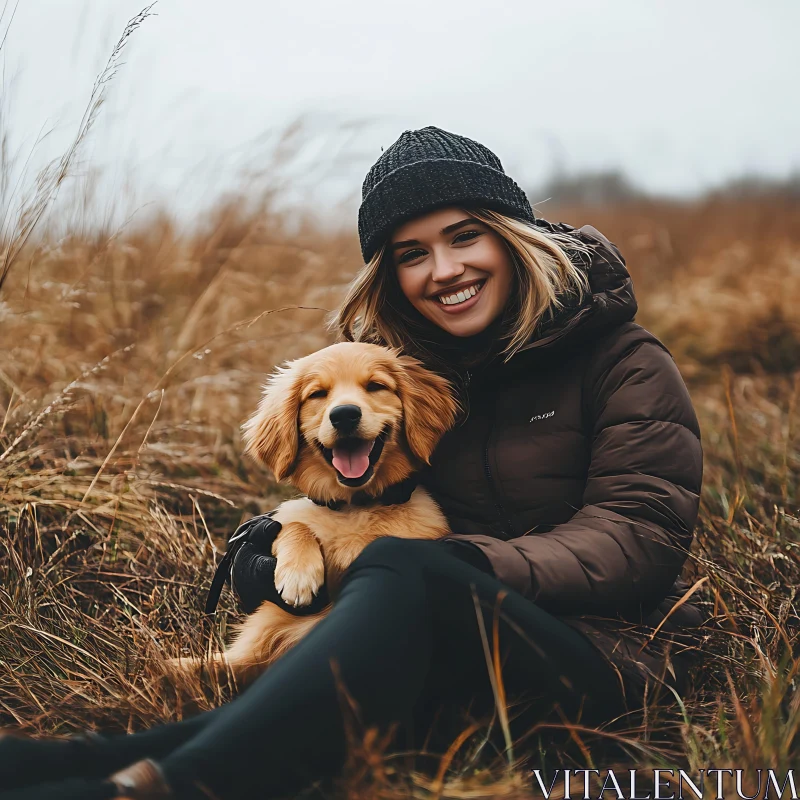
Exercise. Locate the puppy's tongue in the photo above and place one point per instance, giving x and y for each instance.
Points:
(352, 461)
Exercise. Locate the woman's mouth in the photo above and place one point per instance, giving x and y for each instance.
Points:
(462, 299)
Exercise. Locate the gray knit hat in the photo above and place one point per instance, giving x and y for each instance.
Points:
(427, 169)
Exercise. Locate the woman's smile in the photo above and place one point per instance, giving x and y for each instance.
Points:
(460, 298)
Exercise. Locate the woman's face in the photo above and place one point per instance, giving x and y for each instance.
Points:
(454, 270)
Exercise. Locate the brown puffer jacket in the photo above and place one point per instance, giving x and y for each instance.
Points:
(578, 473)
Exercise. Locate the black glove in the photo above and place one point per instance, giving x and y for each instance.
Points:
(249, 567)
(253, 571)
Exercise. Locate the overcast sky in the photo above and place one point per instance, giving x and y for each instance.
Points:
(680, 95)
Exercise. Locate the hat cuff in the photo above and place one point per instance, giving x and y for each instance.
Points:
(414, 189)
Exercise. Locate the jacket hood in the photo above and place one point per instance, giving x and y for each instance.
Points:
(610, 302)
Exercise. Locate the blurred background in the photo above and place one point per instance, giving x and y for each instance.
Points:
(666, 99)
(179, 187)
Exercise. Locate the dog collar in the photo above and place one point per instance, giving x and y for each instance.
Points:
(391, 496)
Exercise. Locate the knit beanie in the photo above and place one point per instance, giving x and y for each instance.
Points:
(427, 169)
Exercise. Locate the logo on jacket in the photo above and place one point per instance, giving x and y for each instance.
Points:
(542, 416)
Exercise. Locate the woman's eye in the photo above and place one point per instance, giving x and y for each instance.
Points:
(374, 386)
(410, 255)
(468, 234)
(318, 393)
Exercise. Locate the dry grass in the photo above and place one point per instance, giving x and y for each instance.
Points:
(129, 362)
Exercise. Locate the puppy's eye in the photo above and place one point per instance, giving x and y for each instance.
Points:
(374, 386)
(318, 393)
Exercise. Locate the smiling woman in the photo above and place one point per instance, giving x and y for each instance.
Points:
(571, 482)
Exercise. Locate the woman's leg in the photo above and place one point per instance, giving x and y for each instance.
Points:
(25, 761)
(400, 603)
(287, 728)
(547, 669)
(404, 607)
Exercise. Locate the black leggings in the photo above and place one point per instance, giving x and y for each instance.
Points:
(405, 640)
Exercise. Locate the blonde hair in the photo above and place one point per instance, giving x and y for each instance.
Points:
(375, 309)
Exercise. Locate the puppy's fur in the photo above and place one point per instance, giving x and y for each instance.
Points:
(404, 410)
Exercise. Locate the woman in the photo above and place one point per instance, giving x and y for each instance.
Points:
(571, 487)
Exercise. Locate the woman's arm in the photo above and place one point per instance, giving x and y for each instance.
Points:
(622, 551)
(253, 570)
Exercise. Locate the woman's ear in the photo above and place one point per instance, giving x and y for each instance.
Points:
(429, 406)
(271, 434)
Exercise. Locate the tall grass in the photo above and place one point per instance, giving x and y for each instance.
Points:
(129, 362)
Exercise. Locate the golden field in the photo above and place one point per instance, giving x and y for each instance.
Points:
(129, 359)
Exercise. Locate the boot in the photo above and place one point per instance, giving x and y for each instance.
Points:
(143, 780)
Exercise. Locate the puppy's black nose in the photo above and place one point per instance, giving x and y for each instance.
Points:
(345, 418)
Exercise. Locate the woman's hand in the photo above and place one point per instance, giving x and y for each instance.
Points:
(253, 570)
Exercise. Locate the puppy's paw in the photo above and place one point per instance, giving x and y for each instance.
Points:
(297, 584)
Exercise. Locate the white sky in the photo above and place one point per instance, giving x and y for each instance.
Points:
(681, 94)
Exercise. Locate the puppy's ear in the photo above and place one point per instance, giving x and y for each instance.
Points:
(429, 407)
(271, 434)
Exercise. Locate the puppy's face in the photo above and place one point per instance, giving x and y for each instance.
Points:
(351, 416)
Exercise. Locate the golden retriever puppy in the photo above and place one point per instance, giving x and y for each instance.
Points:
(349, 426)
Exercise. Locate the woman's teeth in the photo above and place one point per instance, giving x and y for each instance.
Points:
(460, 297)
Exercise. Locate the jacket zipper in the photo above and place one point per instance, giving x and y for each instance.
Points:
(508, 530)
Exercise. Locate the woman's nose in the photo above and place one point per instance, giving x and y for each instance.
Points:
(446, 267)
